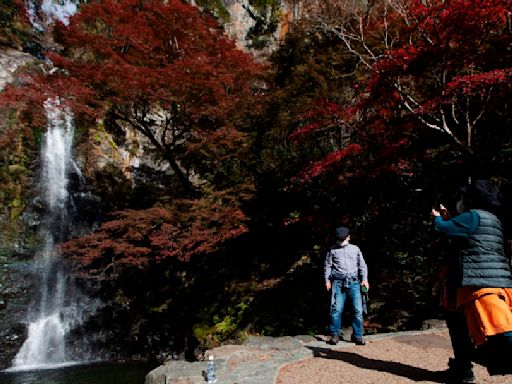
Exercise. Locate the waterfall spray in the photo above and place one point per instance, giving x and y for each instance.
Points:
(42, 12)
(54, 311)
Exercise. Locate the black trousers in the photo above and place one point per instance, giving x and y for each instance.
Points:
(495, 354)
(463, 347)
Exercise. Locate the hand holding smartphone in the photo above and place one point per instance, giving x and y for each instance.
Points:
(444, 212)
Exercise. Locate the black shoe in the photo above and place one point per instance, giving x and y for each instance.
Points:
(334, 340)
(358, 341)
(460, 375)
(495, 371)
(471, 379)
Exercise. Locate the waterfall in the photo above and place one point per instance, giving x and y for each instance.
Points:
(42, 12)
(55, 310)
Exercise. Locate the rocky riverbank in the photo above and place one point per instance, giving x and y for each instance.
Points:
(260, 359)
(256, 361)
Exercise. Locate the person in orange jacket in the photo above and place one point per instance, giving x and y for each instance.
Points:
(483, 278)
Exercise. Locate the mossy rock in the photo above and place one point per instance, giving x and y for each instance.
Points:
(16, 169)
(16, 203)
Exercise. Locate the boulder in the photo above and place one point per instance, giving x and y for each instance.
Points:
(256, 361)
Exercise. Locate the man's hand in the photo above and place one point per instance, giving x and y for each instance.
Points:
(328, 285)
(366, 284)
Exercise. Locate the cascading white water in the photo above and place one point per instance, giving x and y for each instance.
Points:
(53, 312)
(42, 12)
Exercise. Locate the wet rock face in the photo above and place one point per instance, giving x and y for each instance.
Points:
(15, 288)
(11, 59)
(15, 243)
(259, 29)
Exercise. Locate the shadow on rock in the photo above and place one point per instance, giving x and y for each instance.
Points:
(398, 369)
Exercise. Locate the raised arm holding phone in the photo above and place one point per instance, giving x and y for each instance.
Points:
(482, 280)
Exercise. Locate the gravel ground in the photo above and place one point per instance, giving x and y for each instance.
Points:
(397, 360)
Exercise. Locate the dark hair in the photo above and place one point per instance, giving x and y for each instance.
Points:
(482, 194)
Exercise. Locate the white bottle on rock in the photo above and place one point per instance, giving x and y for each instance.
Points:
(211, 375)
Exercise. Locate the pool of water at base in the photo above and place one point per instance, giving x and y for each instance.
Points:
(98, 373)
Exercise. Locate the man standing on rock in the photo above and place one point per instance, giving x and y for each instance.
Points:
(345, 272)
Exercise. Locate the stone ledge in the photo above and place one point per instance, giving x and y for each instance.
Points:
(257, 360)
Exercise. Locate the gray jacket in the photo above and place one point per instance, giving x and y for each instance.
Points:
(345, 261)
(482, 257)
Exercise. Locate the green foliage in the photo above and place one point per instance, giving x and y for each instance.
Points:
(16, 150)
(226, 323)
(17, 170)
(14, 28)
(217, 7)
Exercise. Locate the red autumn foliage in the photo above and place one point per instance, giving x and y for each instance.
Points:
(345, 155)
(325, 119)
(437, 64)
(138, 238)
(324, 115)
(163, 69)
(451, 68)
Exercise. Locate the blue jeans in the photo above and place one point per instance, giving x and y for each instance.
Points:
(339, 295)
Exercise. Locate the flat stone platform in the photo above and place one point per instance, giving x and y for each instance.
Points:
(259, 359)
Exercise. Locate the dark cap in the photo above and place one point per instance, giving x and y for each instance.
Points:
(342, 233)
(483, 194)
